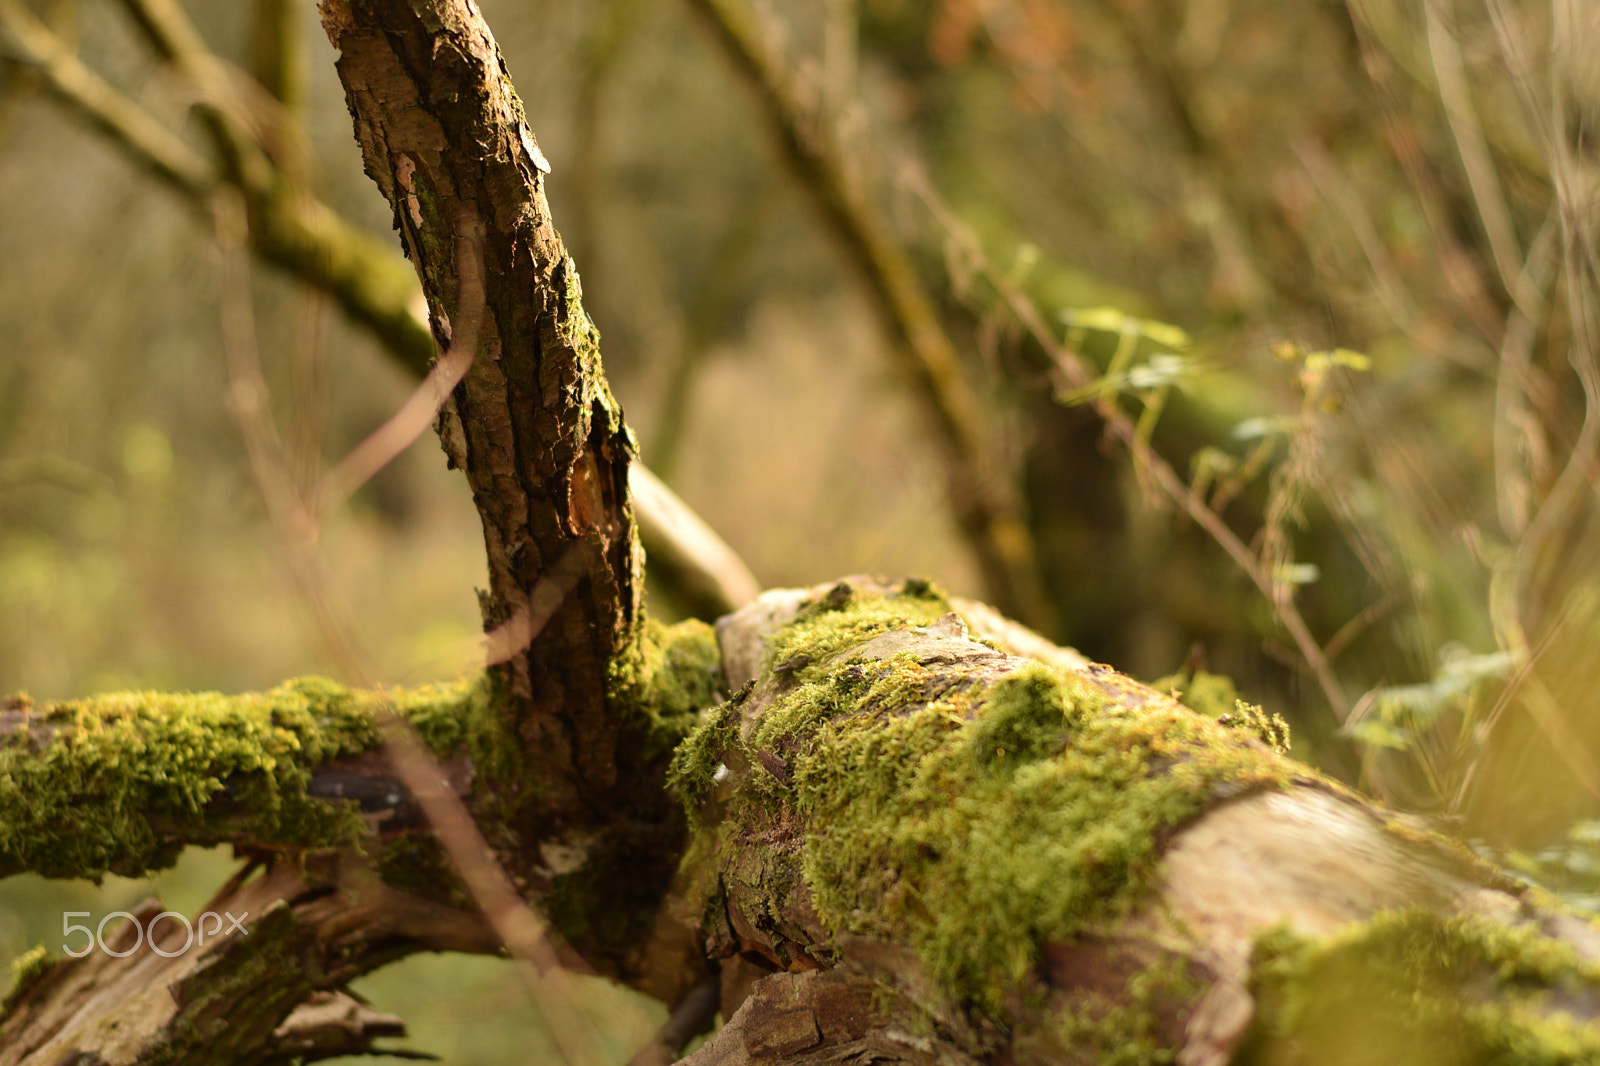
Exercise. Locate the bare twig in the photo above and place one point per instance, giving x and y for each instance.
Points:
(1554, 518)
(1518, 384)
(692, 1016)
(527, 935)
(402, 428)
(152, 145)
(313, 243)
(1450, 72)
(722, 579)
(1210, 171)
(277, 58)
(1461, 276)
(1335, 188)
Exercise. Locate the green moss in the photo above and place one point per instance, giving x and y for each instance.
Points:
(696, 761)
(444, 716)
(579, 330)
(675, 672)
(121, 783)
(1417, 987)
(1026, 719)
(846, 617)
(27, 970)
(975, 822)
(923, 825)
(1215, 696)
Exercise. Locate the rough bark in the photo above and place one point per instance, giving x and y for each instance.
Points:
(541, 440)
(299, 234)
(566, 752)
(260, 993)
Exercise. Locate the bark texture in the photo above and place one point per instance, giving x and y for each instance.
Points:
(542, 442)
(262, 992)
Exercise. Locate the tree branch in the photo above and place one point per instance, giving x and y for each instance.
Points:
(152, 145)
(121, 783)
(535, 428)
(310, 241)
(305, 928)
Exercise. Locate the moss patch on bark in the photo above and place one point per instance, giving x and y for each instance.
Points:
(972, 805)
(121, 783)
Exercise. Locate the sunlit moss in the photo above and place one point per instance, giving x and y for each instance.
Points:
(672, 675)
(27, 970)
(1421, 988)
(1215, 696)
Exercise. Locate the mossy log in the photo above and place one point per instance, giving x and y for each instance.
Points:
(909, 845)
(913, 847)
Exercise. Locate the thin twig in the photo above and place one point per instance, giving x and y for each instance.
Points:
(1556, 513)
(314, 244)
(1516, 385)
(722, 578)
(152, 145)
(399, 431)
(235, 110)
(1450, 72)
(1461, 276)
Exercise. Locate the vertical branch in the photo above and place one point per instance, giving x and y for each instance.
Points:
(533, 423)
(535, 429)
